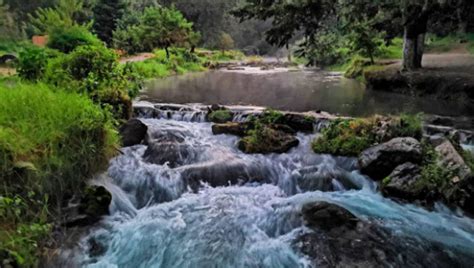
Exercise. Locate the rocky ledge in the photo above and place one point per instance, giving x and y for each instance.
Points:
(338, 238)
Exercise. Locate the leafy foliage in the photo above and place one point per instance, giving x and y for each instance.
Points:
(66, 39)
(63, 15)
(107, 13)
(154, 28)
(32, 63)
(225, 42)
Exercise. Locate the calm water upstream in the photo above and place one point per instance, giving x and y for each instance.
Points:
(295, 91)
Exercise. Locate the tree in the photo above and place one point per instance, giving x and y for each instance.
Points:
(290, 18)
(225, 42)
(47, 20)
(8, 26)
(157, 27)
(107, 13)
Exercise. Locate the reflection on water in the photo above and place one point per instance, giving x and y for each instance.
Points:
(294, 90)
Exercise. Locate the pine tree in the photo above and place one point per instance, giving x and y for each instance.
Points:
(106, 15)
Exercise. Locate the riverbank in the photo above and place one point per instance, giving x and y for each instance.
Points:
(444, 76)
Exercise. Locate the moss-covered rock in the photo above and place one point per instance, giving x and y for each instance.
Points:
(349, 137)
(220, 116)
(265, 139)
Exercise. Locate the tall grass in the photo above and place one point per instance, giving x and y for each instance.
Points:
(50, 143)
(51, 140)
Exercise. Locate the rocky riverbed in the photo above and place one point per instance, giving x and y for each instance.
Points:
(187, 194)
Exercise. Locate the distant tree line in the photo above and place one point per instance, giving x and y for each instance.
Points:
(210, 18)
(321, 24)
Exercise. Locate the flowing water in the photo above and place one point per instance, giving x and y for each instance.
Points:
(162, 217)
(294, 91)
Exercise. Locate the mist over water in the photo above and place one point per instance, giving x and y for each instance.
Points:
(294, 91)
(160, 219)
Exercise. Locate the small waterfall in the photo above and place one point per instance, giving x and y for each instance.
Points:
(211, 205)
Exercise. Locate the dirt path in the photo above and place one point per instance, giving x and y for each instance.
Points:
(447, 62)
(139, 57)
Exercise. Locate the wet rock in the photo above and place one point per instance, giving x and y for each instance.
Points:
(133, 132)
(268, 141)
(452, 160)
(379, 161)
(327, 216)
(321, 178)
(339, 239)
(7, 260)
(7, 58)
(402, 182)
(173, 153)
(299, 122)
(96, 248)
(237, 129)
(219, 115)
(223, 172)
(95, 202)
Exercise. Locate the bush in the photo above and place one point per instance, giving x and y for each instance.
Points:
(32, 63)
(95, 70)
(51, 142)
(66, 39)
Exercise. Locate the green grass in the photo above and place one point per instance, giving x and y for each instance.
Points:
(393, 51)
(447, 43)
(13, 47)
(51, 142)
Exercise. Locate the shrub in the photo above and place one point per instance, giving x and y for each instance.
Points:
(66, 39)
(356, 67)
(32, 63)
(95, 70)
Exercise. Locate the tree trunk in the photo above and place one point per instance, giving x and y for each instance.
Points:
(413, 49)
(415, 26)
(167, 53)
(409, 53)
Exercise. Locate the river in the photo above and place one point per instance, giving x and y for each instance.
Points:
(300, 91)
(246, 211)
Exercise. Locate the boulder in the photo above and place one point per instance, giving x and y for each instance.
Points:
(223, 172)
(133, 132)
(298, 122)
(220, 116)
(237, 129)
(450, 158)
(339, 239)
(402, 182)
(321, 178)
(173, 153)
(379, 161)
(326, 216)
(93, 203)
(268, 141)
